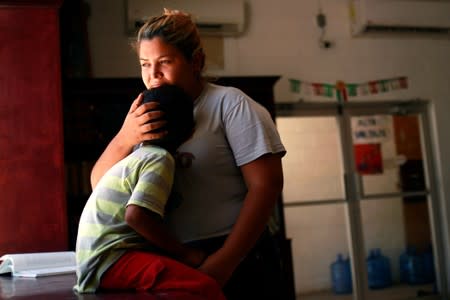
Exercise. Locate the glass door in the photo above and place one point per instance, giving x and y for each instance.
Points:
(360, 205)
(314, 202)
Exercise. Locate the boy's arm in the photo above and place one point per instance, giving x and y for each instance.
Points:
(150, 226)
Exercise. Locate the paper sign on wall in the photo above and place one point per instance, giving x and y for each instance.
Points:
(370, 129)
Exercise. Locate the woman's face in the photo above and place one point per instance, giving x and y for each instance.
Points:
(163, 63)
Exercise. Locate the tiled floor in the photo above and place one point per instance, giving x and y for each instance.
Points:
(399, 292)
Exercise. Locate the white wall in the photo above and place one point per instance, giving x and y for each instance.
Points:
(282, 39)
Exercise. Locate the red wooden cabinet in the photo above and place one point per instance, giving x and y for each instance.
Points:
(33, 213)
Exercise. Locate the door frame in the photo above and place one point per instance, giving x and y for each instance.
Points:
(353, 187)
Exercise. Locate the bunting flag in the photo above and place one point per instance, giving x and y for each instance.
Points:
(342, 91)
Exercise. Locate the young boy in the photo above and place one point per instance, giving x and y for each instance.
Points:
(122, 243)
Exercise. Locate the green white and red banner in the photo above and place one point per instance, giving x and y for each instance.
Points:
(343, 90)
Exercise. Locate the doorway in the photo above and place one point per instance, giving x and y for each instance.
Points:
(359, 200)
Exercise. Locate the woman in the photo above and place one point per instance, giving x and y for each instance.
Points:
(229, 173)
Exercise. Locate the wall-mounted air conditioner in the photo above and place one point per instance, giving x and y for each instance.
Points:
(213, 17)
(431, 17)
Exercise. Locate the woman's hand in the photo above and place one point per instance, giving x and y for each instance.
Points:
(133, 131)
(218, 267)
(140, 122)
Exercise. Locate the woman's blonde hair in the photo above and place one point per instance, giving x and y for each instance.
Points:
(177, 29)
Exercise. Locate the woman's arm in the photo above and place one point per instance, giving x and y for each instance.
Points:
(264, 179)
(134, 130)
(150, 226)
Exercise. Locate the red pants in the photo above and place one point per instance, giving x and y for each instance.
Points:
(160, 275)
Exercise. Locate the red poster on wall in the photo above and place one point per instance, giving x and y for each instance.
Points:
(368, 159)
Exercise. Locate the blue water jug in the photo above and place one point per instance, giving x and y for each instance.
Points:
(341, 275)
(416, 268)
(378, 269)
(404, 263)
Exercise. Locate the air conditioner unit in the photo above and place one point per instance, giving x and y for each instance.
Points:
(213, 17)
(430, 17)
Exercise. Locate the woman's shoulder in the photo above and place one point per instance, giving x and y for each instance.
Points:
(233, 101)
(224, 90)
(227, 96)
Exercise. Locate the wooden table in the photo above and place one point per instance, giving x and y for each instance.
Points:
(60, 288)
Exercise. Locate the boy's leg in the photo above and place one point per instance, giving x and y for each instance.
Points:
(145, 271)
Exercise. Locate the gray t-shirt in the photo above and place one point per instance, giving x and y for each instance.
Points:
(231, 130)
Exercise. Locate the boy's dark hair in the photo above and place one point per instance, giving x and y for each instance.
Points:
(178, 109)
